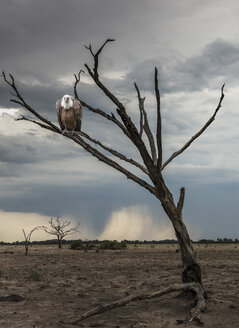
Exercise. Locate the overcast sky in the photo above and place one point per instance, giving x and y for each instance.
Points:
(195, 46)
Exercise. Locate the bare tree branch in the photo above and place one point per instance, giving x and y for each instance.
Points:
(89, 48)
(23, 118)
(96, 56)
(195, 312)
(113, 164)
(175, 154)
(22, 102)
(95, 76)
(77, 139)
(181, 202)
(145, 125)
(115, 153)
(77, 80)
(110, 95)
(105, 115)
(159, 127)
(134, 135)
(85, 135)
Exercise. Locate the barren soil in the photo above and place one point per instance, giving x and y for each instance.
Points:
(73, 282)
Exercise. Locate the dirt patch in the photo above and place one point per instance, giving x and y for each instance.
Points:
(73, 282)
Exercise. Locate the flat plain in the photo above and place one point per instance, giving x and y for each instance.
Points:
(58, 286)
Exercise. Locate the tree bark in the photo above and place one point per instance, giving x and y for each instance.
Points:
(59, 243)
(191, 271)
(26, 250)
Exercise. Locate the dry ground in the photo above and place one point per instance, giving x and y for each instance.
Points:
(73, 282)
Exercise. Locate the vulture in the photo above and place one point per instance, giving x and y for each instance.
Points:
(69, 112)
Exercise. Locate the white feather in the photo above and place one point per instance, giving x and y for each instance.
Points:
(66, 102)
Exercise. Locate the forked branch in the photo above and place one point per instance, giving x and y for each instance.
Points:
(144, 124)
(28, 238)
(77, 80)
(20, 100)
(129, 125)
(105, 115)
(175, 154)
(96, 55)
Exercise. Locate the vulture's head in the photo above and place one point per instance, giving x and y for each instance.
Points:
(66, 102)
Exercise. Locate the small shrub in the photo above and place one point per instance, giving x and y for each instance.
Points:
(34, 275)
(79, 245)
(112, 244)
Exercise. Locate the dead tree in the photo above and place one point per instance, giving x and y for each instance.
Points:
(60, 229)
(152, 165)
(28, 239)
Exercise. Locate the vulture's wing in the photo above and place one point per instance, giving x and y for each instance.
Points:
(59, 111)
(78, 113)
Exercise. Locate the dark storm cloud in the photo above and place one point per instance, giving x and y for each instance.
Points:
(92, 203)
(216, 64)
(46, 39)
(21, 149)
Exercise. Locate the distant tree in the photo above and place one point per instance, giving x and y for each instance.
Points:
(28, 238)
(60, 229)
(151, 165)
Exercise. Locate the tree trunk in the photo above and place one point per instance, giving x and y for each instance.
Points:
(59, 243)
(191, 271)
(26, 249)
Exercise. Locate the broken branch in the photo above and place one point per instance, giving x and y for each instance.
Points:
(195, 311)
(159, 127)
(145, 125)
(181, 202)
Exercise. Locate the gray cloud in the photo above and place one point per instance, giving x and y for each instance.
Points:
(217, 63)
(21, 149)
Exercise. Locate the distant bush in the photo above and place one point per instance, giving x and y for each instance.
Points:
(76, 245)
(112, 244)
(34, 275)
(79, 245)
(102, 245)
